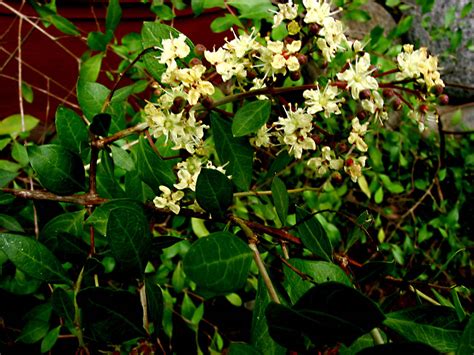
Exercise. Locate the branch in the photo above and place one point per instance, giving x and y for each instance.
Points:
(84, 199)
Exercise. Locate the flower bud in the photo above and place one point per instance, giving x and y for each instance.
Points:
(194, 61)
(443, 99)
(178, 104)
(397, 103)
(342, 148)
(365, 94)
(438, 89)
(314, 28)
(349, 162)
(362, 115)
(423, 108)
(388, 93)
(295, 75)
(207, 102)
(199, 49)
(337, 178)
(302, 59)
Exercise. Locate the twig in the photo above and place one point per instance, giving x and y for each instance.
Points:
(84, 199)
(376, 336)
(20, 77)
(101, 143)
(268, 192)
(143, 301)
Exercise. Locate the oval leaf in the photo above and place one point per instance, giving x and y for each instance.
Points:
(91, 97)
(219, 262)
(72, 131)
(58, 169)
(280, 198)
(33, 258)
(214, 192)
(250, 117)
(129, 238)
(313, 235)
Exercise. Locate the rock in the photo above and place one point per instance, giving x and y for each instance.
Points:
(378, 17)
(457, 69)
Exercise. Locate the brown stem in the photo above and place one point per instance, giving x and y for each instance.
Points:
(84, 199)
(274, 232)
(102, 142)
(144, 303)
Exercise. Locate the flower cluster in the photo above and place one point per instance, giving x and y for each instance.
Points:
(336, 108)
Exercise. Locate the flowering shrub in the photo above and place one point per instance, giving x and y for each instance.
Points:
(176, 202)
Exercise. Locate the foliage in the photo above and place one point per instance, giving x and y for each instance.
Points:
(264, 182)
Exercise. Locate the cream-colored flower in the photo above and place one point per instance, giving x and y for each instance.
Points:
(174, 48)
(316, 11)
(262, 139)
(277, 57)
(287, 11)
(358, 131)
(321, 165)
(359, 77)
(168, 199)
(354, 167)
(317, 100)
(188, 172)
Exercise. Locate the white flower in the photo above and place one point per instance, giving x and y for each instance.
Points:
(174, 48)
(317, 100)
(263, 137)
(354, 167)
(358, 78)
(168, 199)
(358, 131)
(321, 165)
(333, 38)
(317, 11)
(188, 173)
(164, 122)
(277, 57)
(287, 11)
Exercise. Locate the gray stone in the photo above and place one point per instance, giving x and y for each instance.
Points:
(458, 69)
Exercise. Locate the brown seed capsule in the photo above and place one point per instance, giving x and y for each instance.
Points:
(362, 115)
(342, 148)
(314, 28)
(438, 89)
(443, 99)
(251, 74)
(178, 104)
(194, 61)
(317, 139)
(199, 49)
(302, 59)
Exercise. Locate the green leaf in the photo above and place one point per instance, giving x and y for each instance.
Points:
(6, 177)
(97, 41)
(327, 314)
(434, 325)
(243, 349)
(155, 303)
(112, 316)
(19, 283)
(114, 13)
(100, 124)
(221, 24)
(237, 152)
(63, 306)
(91, 97)
(250, 117)
(319, 271)
(64, 25)
(33, 258)
(100, 217)
(129, 238)
(163, 12)
(466, 345)
(466, 10)
(90, 68)
(72, 131)
(50, 339)
(403, 26)
(219, 262)
(392, 3)
(259, 335)
(37, 325)
(199, 5)
(153, 170)
(12, 125)
(214, 192)
(153, 33)
(58, 169)
(449, 16)
(27, 92)
(312, 235)
(107, 184)
(280, 198)
(122, 159)
(10, 223)
(357, 15)
(399, 348)
(71, 223)
(255, 9)
(20, 154)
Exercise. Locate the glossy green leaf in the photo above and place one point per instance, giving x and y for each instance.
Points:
(466, 344)
(403, 26)
(214, 192)
(107, 184)
(37, 324)
(319, 271)
(219, 262)
(10, 223)
(327, 314)
(90, 68)
(110, 315)
(58, 169)
(19, 283)
(72, 131)
(153, 170)
(100, 217)
(19, 153)
(122, 158)
(97, 41)
(114, 13)
(434, 325)
(280, 198)
(100, 124)
(221, 24)
(250, 117)
(129, 238)
(71, 223)
(64, 25)
(155, 303)
(153, 33)
(12, 125)
(313, 235)
(50, 339)
(91, 97)
(63, 306)
(259, 335)
(255, 10)
(33, 258)
(243, 349)
(236, 152)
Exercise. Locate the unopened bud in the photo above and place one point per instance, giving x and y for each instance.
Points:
(397, 103)
(388, 93)
(207, 102)
(362, 115)
(251, 74)
(342, 148)
(194, 61)
(314, 28)
(365, 94)
(423, 108)
(302, 59)
(336, 178)
(199, 49)
(178, 104)
(350, 162)
(438, 89)
(317, 139)
(443, 99)
(295, 75)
